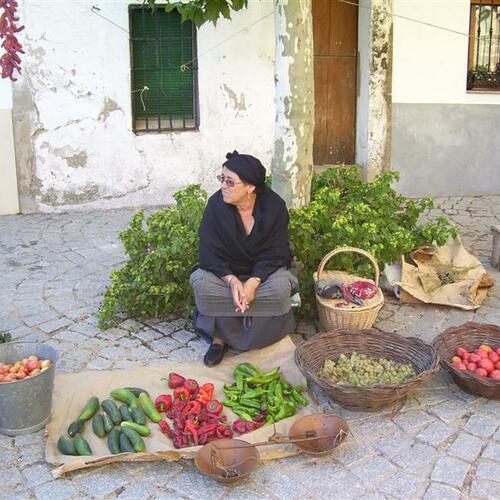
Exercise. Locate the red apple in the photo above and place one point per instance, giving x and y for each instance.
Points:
(486, 364)
(497, 365)
(461, 351)
(471, 367)
(456, 359)
(497, 350)
(493, 356)
(495, 375)
(481, 353)
(480, 372)
(459, 366)
(485, 347)
(474, 358)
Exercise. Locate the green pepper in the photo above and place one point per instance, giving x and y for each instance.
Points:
(251, 411)
(298, 398)
(265, 377)
(239, 382)
(243, 414)
(278, 392)
(270, 419)
(247, 370)
(290, 408)
(250, 403)
(254, 393)
(281, 414)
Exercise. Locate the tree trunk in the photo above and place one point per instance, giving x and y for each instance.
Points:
(292, 167)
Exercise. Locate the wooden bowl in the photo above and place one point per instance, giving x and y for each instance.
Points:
(227, 460)
(329, 429)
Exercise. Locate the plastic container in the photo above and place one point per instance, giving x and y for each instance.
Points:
(25, 405)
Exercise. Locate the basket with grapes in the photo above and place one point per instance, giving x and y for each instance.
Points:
(366, 369)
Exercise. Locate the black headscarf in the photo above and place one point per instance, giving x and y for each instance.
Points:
(248, 168)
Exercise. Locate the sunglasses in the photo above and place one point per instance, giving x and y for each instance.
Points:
(230, 183)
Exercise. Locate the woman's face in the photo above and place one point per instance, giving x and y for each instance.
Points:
(234, 190)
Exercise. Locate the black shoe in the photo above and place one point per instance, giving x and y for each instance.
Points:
(214, 354)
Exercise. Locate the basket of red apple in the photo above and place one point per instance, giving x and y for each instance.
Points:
(471, 354)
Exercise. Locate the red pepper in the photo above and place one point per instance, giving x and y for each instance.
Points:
(214, 407)
(163, 402)
(239, 426)
(206, 393)
(175, 380)
(250, 426)
(220, 431)
(228, 432)
(179, 422)
(181, 393)
(192, 428)
(193, 407)
(191, 385)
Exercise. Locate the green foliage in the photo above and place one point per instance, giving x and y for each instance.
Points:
(5, 337)
(162, 250)
(346, 211)
(201, 11)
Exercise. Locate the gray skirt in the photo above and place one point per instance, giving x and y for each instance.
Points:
(268, 319)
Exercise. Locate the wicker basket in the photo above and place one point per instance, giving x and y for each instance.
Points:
(470, 336)
(311, 355)
(352, 317)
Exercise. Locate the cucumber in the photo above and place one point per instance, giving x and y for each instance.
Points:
(125, 444)
(125, 396)
(142, 430)
(108, 423)
(138, 416)
(81, 445)
(65, 446)
(125, 413)
(148, 407)
(98, 425)
(114, 441)
(90, 409)
(76, 426)
(135, 440)
(111, 409)
(136, 391)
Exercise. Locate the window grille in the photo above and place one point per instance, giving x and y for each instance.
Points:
(164, 72)
(484, 46)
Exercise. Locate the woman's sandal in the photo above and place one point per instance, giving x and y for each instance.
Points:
(214, 355)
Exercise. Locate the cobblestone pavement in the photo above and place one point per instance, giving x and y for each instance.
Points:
(443, 443)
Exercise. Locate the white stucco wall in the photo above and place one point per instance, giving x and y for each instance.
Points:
(9, 200)
(430, 64)
(77, 67)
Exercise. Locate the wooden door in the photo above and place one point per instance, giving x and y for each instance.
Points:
(335, 28)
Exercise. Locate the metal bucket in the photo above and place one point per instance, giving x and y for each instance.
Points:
(25, 404)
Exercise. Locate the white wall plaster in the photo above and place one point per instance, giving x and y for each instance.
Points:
(430, 64)
(77, 68)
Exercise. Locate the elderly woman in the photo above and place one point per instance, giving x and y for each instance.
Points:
(243, 285)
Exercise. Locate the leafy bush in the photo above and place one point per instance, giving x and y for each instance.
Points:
(346, 211)
(162, 250)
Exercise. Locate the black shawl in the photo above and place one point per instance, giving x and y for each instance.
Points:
(226, 249)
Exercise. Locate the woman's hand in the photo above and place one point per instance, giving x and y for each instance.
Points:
(250, 288)
(238, 293)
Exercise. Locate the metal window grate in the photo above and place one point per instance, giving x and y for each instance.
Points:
(164, 98)
(484, 46)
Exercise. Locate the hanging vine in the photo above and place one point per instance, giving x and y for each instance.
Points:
(10, 60)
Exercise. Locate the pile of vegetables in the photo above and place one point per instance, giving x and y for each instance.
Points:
(361, 370)
(124, 425)
(483, 362)
(261, 397)
(196, 417)
(23, 368)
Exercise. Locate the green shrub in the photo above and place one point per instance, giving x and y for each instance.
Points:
(162, 250)
(346, 211)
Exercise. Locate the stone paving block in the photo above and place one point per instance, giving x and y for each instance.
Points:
(346, 487)
(183, 336)
(33, 439)
(31, 454)
(35, 336)
(37, 319)
(6, 442)
(351, 452)
(141, 353)
(466, 447)
(482, 489)
(124, 364)
(401, 485)
(131, 325)
(191, 483)
(138, 489)
(492, 451)
(450, 470)
(54, 325)
(60, 489)
(410, 421)
(482, 425)
(487, 469)
(184, 354)
(9, 477)
(8, 456)
(374, 428)
(418, 460)
(436, 433)
(70, 336)
(37, 474)
(373, 469)
(165, 345)
(113, 353)
(102, 481)
(148, 335)
(437, 491)
(393, 444)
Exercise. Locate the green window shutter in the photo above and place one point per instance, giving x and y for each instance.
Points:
(160, 45)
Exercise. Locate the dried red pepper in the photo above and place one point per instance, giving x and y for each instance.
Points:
(10, 60)
(192, 429)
